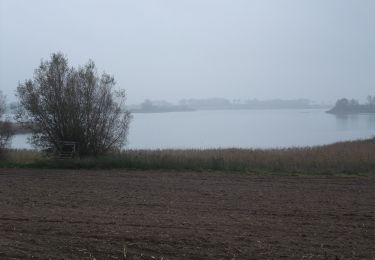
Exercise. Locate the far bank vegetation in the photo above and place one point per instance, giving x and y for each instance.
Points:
(352, 106)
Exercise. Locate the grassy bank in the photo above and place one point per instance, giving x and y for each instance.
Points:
(356, 157)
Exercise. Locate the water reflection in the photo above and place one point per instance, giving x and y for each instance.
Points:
(371, 122)
(355, 121)
(345, 121)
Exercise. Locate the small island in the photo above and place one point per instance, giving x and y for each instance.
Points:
(345, 106)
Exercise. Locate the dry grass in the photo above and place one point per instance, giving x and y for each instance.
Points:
(345, 157)
(21, 156)
(354, 157)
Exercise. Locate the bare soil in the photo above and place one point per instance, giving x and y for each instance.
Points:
(67, 214)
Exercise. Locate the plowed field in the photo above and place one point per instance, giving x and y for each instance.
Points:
(63, 214)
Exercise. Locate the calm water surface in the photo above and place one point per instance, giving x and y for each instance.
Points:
(241, 128)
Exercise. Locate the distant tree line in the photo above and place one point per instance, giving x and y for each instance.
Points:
(352, 106)
(149, 106)
(162, 106)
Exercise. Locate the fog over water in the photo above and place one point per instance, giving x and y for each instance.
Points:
(167, 49)
(241, 129)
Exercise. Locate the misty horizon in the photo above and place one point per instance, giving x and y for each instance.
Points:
(171, 50)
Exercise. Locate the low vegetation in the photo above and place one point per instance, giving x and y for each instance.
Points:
(355, 157)
(20, 158)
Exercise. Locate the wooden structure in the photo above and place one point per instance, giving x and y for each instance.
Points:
(67, 150)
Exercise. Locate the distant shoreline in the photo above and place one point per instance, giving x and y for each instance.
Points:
(350, 111)
(162, 106)
(161, 110)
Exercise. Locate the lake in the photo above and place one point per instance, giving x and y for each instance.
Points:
(241, 129)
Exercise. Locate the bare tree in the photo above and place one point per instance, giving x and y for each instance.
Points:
(5, 126)
(62, 103)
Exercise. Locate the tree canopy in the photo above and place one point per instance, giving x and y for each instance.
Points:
(63, 103)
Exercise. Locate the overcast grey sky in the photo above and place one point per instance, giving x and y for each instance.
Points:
(169, 49)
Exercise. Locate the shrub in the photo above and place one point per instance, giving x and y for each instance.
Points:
(63, 104)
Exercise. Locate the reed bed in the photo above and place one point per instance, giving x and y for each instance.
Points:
(345, 157)
(355, 157)
(19, 158)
